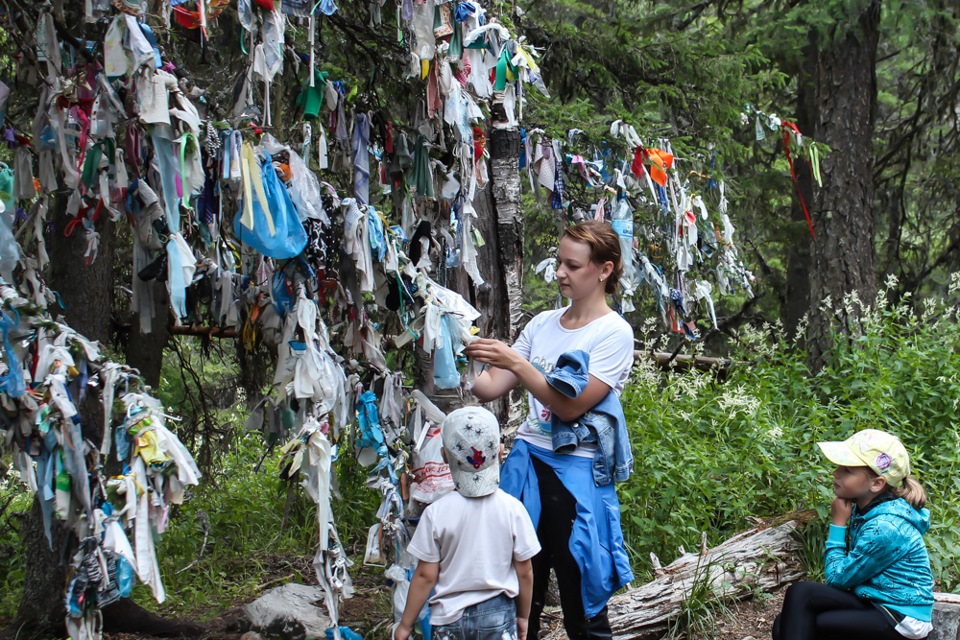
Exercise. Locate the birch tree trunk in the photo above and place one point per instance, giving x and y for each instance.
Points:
(505, 182)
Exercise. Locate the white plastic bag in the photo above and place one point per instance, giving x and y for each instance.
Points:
(432, 479)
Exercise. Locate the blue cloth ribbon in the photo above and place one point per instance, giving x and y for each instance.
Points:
(378, 241)
(361, 159)
(327, 7)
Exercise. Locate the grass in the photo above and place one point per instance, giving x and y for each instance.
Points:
(700, 609)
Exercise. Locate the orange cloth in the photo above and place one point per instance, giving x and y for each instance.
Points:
(661, 161)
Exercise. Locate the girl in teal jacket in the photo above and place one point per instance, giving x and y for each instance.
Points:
(879, 584)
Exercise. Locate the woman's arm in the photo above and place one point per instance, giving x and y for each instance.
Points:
(566, 408)
(499, 355)
(493, 383)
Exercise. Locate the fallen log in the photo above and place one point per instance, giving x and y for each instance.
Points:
(682, 362)
(761, 559)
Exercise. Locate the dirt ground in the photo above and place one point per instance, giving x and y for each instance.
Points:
(751, 618)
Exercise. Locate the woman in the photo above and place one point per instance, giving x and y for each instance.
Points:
(578, 522)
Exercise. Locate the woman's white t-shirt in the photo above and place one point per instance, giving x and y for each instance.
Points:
(608, 340)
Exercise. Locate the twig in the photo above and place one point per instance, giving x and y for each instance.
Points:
(204, 332)
(726, 322)
(6, 505)
(270, 583)
(205, 521)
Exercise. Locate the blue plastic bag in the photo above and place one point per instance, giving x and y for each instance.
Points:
(287, 237)
(12, 382)
(124, 577)
(371, 436)
(445, 374)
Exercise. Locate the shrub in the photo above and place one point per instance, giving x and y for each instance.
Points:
(709, 455)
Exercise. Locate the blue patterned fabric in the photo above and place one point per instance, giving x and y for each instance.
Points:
(886, 560)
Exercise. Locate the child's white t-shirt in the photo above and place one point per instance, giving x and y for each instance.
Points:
(475, 540)
(608, 340)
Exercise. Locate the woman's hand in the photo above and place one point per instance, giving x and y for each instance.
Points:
(494, 353)
(840, 511)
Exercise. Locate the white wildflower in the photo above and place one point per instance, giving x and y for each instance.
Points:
(954, 283)
(737, 399)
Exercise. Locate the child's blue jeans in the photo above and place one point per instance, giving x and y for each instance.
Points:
(493, 619)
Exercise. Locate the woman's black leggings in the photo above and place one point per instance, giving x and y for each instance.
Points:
(813, 611)
(558, 512)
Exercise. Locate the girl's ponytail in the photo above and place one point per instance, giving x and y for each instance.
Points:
(911, 491)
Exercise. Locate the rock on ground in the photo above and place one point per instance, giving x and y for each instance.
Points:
(946, 617)
(292, 612)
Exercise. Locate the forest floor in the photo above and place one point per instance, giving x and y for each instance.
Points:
(368, 613)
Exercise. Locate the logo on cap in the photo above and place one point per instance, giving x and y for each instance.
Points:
(883, 462)
(477, 459)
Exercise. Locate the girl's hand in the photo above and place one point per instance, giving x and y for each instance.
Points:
(495, 353)
(402, 632)
(840, 511)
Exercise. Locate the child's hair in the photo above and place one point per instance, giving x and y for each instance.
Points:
(604, 246)
(910, 490)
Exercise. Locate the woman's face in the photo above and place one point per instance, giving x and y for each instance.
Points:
(853, 483)
(578, 275)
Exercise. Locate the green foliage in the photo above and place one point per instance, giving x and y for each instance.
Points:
(199, 384)
(14, 503)
(260, 532)
(709, 454)
(240, 516)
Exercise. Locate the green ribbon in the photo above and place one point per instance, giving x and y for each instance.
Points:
(184, 140)
(814, 156)
(90, 165)
(421, 178)
(504, 65)
(456, 42)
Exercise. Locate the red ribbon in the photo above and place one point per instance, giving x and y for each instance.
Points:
(81, 216)
(84, 121)
(787, 126)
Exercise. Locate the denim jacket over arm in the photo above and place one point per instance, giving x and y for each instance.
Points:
(604, 425)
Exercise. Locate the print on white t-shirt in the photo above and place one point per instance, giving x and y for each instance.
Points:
(608, 340)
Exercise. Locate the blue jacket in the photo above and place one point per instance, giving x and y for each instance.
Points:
(604, 425)
(887, 561)
(596, 540)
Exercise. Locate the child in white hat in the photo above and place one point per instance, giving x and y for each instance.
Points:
(879, 584)
(474, 544)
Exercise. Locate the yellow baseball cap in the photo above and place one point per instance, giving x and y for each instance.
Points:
(882, 452)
